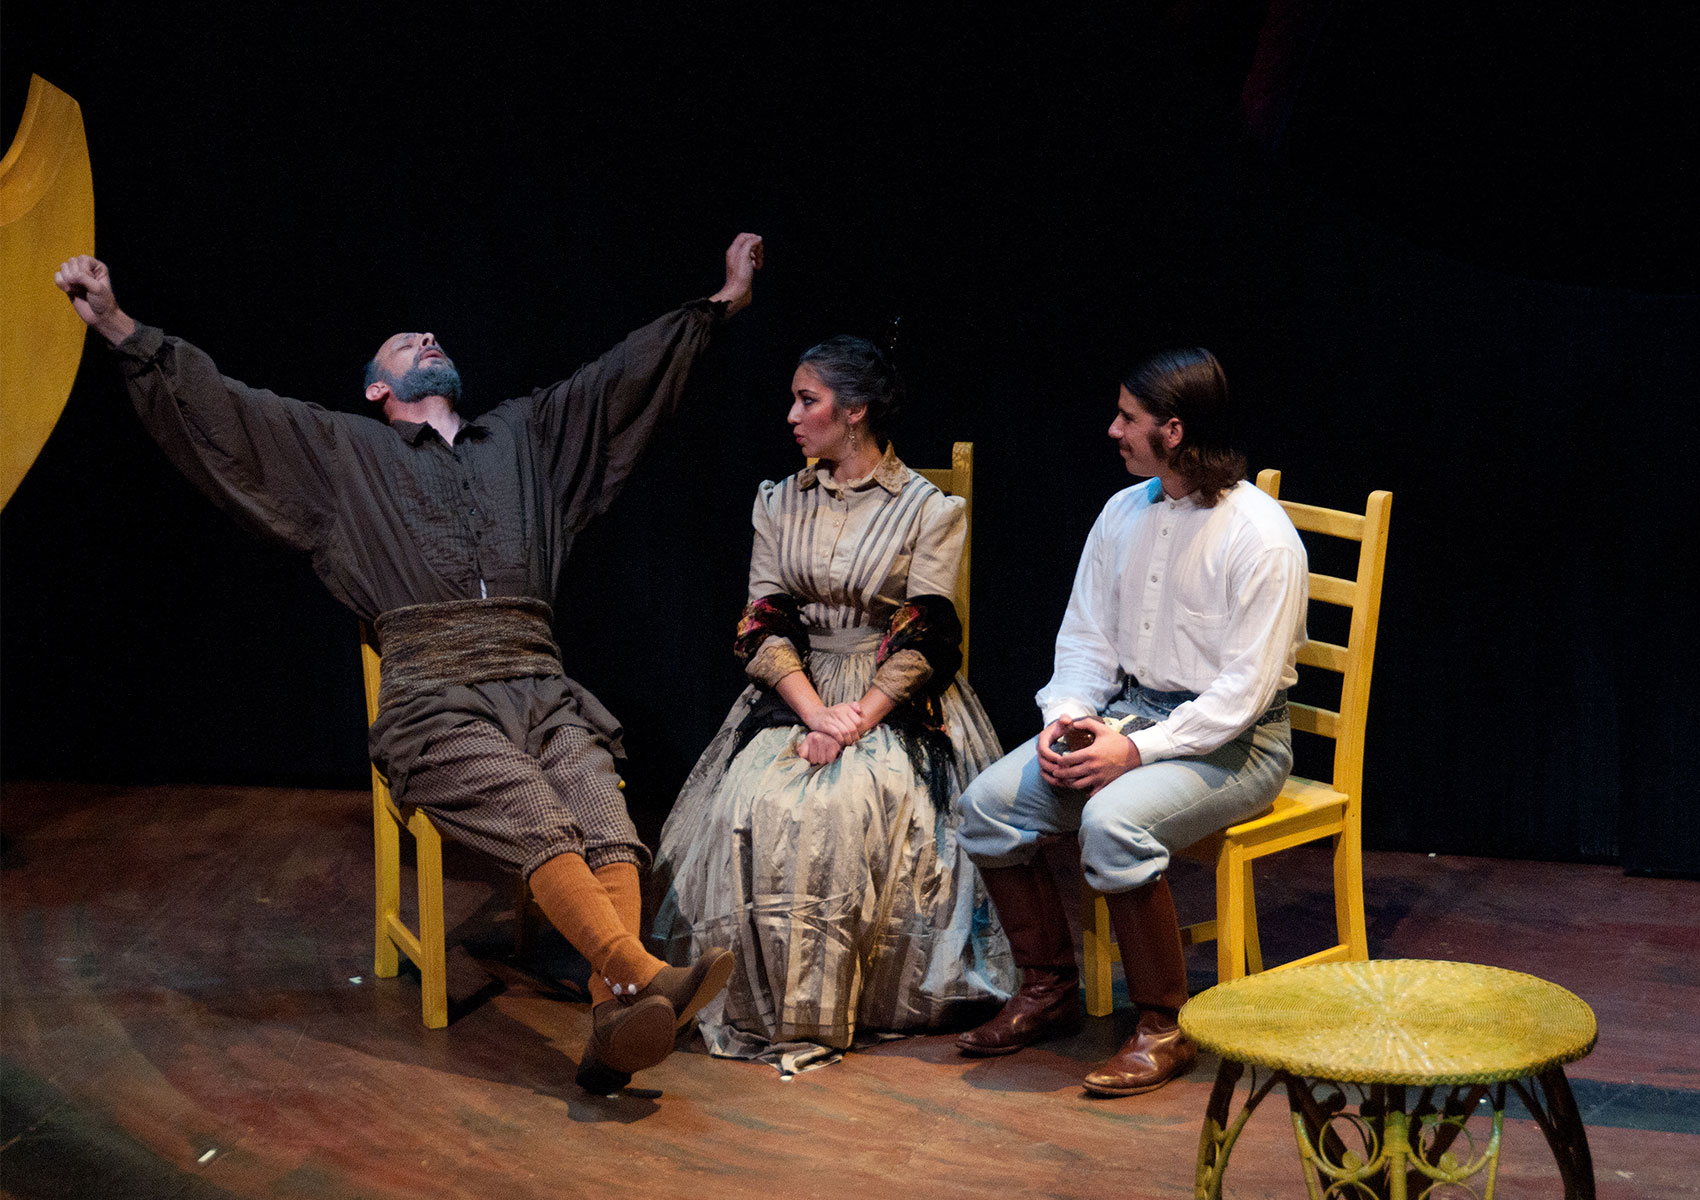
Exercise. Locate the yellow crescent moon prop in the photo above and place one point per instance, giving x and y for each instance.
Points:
(46, 216)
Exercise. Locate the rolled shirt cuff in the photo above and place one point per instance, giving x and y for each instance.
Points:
(1154, 744)
(715, 310)
(1070, 708)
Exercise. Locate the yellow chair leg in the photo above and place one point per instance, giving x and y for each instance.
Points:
(433, 965)
(1097, 952)
(1349, 894)
(1253, 948)
(386, 840)
(1232, 878)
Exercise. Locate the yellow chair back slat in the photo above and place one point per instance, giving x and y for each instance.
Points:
(1307, 810)
(1326, 655)
(369, 670)
(1332, 590)
(1308, 518)
(1310, 719)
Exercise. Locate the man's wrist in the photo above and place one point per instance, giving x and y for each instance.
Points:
(732, 300)
(116, 328)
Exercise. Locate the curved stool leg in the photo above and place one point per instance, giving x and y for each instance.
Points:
(1216, 1139)
(1561, 1122)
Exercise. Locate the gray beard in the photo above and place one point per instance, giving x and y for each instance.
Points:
(433, 379)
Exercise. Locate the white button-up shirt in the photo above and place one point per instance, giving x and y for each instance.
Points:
(1183, 598)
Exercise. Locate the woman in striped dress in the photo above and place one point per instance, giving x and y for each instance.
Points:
(816, 835)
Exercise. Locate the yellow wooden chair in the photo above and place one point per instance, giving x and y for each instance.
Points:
(1307, 810)
(958, 480)
(427, 946)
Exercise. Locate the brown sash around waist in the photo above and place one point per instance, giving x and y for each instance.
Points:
(429, 647)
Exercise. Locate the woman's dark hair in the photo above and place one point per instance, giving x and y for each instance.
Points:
(859, 373)
(1189, 384)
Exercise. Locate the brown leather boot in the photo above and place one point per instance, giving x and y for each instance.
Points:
(1047, 1004)
(1149, 937)
(1156, 1053)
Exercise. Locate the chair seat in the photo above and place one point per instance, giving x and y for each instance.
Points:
(1302, 804)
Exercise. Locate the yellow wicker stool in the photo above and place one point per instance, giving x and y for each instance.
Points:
(1422, 1044)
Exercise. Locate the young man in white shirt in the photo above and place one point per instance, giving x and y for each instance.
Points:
(1172, 665)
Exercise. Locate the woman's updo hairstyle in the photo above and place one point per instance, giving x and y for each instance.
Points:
(859, 374)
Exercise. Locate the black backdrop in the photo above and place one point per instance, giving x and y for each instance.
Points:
(1445, 256)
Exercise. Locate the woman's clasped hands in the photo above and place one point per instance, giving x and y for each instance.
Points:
(831, 728)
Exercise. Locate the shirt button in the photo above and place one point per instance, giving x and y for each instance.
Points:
(1153, 579)
(1165, 531)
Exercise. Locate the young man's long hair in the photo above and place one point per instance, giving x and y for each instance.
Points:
(1189, 384)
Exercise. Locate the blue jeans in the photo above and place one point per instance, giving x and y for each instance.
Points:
(1131, 826)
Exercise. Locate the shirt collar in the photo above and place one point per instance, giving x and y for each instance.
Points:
(413, 431)
(889, 473)
(1156, 495)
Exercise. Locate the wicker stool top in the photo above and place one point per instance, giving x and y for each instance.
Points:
(1402, 1021)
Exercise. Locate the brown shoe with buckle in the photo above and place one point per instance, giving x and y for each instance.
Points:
(1156, 1053)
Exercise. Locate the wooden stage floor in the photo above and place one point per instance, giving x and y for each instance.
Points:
(189, 1011)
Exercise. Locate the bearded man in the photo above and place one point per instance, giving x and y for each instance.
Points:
(449, 534)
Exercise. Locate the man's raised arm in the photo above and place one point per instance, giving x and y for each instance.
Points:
(593, 426)
(264, 458)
